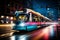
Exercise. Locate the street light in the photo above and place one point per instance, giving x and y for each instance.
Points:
(7, 22)
(11, 18)
(11, 21)
(2, 16)
(7, 17)
(2, 21)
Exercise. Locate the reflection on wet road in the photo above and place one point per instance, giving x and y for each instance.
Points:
(19, 37)
(40, 34)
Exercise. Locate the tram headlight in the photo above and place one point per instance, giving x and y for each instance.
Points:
(22, 24)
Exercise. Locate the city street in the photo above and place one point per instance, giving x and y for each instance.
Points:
(46, 33)
(30, 20)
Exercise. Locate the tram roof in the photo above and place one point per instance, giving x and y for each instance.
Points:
(37, 13)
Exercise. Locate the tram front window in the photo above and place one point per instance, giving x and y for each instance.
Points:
(23, 18)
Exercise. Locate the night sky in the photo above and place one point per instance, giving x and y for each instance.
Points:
(48, 8)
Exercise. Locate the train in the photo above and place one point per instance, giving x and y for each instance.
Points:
(29, 20)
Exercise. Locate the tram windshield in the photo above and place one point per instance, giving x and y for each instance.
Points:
(23, 17)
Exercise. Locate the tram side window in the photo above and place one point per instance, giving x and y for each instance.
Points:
(36, 18)
(41, 19)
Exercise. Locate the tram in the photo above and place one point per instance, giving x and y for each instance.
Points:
(29, 20)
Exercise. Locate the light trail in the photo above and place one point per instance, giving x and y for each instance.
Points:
(32, 23)
(45, 32)
(39, 23)
(7, 24)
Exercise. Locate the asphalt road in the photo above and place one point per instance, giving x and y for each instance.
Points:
(46, 33)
